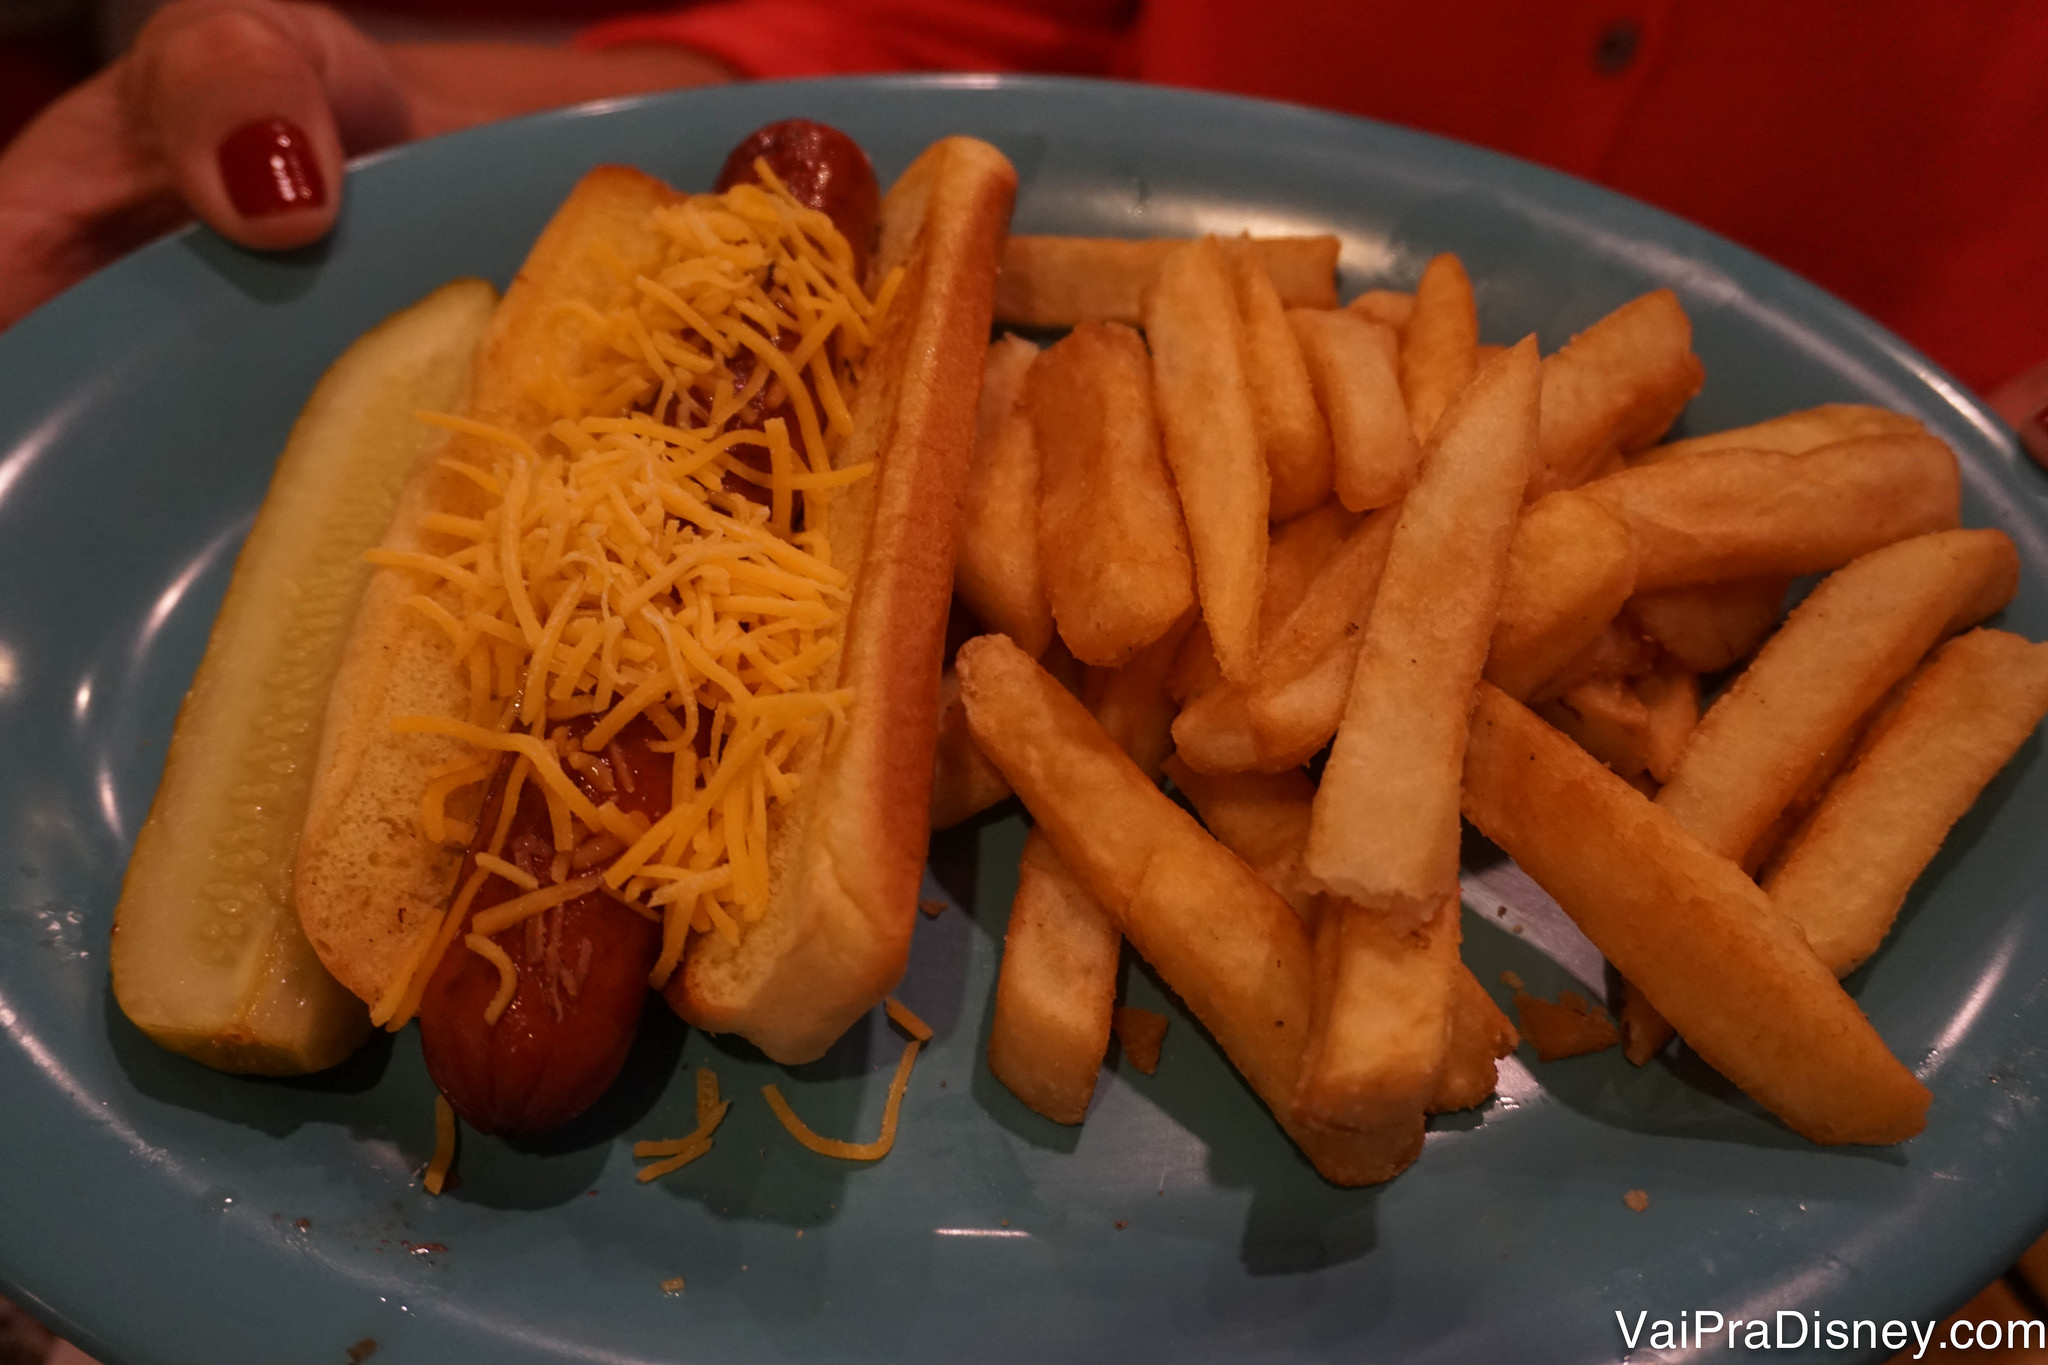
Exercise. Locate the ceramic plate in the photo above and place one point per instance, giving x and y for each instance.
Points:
(159, 1213)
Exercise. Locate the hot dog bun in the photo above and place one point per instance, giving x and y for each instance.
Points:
(848, 860)
(844, 857)
(368, 878)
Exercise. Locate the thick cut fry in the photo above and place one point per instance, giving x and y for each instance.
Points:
(1295, 557)
(964, 784)
(1480, 1036)
(1731, 974)
(1112, 545)
(1386, 816)
(1381, 1027)
(1571, 566)
(1711, 626)
(1264, 819)
(1057, 982)
(1859, 632)
(1132, 702)
(1644, 1032)
(1066, 281)
(1732, 514)
(1354, 365)
(1390, 308)
(1056, 990)
(1212, 443)
(1607, 719)
(998, 574)
(1795, 433)
(1672, 698)
(1304, 670)
(1635, 725)
(1291, 428)
(1440, 345)
(1615, 388)
(1618, 651)
(1919, 770)
(1223, 940)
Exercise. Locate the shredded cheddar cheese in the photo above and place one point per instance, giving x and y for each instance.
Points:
(680, 1152)
(920, 1033)
(899, 1014)
(436, 1177)
(614, 574)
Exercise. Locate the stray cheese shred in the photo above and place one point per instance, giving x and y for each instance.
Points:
(920, 1032)
(680, 1152)
(436, 1178)
(615, 573)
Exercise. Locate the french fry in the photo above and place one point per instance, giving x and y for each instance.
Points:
(1291, 428)
(1055, 990)
(1439, 346)
(1386, 816)
(1644, 1032)
(1731, 974)
(1794, 433)
(1390, 308)
(1635, 726)
(1481, 1035)
(1303, 673)
(1618, 651)
(964, 784)
(997, 574)
(1112, 545)
(1711, 626)
(1606, 718)
(1848, 871)
(1295, 555)
(1355, 367)
(1571, 566)
(1056, 987)
(1672, 698)
(1132, 702)
(1859, 632)
(1224, 941)
(1212, 442)
(1264, 819)
(1066, 281)
(1732, 514)
(1380, 1030)
(1614, 389)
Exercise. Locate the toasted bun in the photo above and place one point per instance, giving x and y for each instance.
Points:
(367, 876)
(846, 856)
(848, 859)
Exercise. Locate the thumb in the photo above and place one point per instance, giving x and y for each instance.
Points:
(252, 107)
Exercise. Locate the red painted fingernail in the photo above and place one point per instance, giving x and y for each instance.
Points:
(269, 167)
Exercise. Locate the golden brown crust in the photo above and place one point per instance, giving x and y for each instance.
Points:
(847, 859)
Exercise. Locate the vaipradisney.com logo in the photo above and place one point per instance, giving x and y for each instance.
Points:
(1790, 1330)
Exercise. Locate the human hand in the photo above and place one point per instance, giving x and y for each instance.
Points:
(242, 112)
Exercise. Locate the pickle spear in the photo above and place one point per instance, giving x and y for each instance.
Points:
(208, 957)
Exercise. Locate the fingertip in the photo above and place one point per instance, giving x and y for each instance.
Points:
(236, 106)
(277, 193)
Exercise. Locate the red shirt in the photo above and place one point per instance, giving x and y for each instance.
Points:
(1894, 152)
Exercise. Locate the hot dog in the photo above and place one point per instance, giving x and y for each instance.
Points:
(642, 689)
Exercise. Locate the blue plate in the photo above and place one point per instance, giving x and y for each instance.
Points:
(159, 1212)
